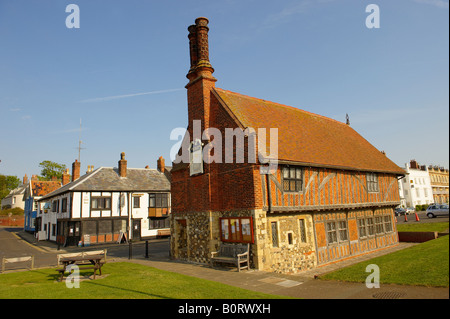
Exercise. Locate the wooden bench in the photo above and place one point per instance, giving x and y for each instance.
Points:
(84, 260)
(163, 233)
(82, 254)
(83, 263)
(235, 254)
(17, 260)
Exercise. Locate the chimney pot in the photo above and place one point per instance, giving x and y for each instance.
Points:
(199, 50)
(122, 165)
(161, 164)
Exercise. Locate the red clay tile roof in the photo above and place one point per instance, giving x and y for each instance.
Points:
(305, 137)
(41, 188)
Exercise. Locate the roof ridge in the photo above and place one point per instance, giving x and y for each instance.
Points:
(281, 105)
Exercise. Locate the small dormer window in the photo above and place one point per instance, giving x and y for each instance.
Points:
(372, 182)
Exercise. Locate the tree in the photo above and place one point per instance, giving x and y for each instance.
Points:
(50, 169)
(7, 184)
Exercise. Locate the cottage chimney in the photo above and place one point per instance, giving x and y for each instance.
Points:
(34, 177)
(76, 170)
(413, 164)
(122, 165)
(66, 177)
(25, 179)
(160, 164)
(54, 178)
(200, 76)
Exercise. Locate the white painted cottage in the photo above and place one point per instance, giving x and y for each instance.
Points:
(107, 203)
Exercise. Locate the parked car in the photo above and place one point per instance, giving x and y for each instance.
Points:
(410, 210)
(437, 210)
(399, 211)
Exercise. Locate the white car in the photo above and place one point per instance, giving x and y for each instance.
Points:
(437, 210)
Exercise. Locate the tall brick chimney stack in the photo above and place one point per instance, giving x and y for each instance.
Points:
(200, 73)
(160, 164)
(76, 170)
(66, 177)
(122, 165)
(25, 179)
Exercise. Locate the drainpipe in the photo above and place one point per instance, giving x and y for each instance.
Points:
(269, 195)
(130, 227)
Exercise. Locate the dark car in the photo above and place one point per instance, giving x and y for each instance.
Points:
(400, 211)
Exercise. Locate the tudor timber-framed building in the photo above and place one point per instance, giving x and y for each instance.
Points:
(331, 196)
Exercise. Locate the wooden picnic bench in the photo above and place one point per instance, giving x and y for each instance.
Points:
(235, 254)
(86, 260)
(163, 233)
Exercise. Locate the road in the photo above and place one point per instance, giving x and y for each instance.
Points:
(411, 218)
(13, 244)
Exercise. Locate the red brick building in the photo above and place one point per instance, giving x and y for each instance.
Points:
(330, 195)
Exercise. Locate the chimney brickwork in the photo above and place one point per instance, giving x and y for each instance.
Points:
(66, 177)
(76, 166)
(200, 76)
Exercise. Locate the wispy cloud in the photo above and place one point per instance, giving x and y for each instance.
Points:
(71, 130)
(288, 11)
(115, 97)
(436, 3)
(15, 109)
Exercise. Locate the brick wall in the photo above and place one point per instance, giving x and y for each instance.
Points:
(12, 221)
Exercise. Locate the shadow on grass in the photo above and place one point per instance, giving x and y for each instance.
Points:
(128, 290)
(56, 277)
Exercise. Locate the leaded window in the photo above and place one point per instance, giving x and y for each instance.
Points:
(292, 179)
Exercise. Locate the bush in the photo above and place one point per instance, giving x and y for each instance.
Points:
(420, 208)
(14, 211)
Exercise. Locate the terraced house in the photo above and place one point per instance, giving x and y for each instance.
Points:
(329, 197)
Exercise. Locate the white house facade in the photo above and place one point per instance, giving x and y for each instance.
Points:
(107, 205)
(416, 185)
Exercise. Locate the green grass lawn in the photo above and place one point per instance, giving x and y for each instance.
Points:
(124, 280)
(425, 264)
(423, 227)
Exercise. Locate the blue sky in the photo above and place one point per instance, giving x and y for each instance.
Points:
(123, 73)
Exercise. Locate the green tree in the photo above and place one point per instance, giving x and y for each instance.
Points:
(50, 169)
(7, 184)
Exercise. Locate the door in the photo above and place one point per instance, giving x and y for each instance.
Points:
(74, 233)
(136, 230)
